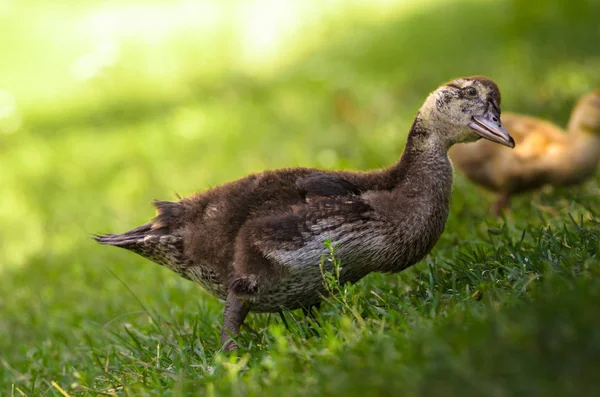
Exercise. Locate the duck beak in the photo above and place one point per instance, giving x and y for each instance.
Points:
(490, 127)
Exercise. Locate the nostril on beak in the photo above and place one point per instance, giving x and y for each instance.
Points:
(495, 119)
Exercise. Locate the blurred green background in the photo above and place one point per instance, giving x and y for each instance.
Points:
(106, 105)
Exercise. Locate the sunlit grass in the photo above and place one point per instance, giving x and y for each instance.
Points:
(99, 50)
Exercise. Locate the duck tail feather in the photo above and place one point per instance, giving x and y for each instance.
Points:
(125, 240)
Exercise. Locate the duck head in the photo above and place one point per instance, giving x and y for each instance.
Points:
(468, 109)
(586, 114)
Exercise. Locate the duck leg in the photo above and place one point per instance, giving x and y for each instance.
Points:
(233, 317)
(310, 311)
(501, 203)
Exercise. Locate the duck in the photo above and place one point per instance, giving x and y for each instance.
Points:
(257, 242)
(545, 153)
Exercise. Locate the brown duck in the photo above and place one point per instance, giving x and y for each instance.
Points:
(545, 155)
(257, 242)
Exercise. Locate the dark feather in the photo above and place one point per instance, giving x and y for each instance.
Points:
(321, 184)
(125, 240)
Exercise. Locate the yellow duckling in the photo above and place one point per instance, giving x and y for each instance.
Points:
(543, 155)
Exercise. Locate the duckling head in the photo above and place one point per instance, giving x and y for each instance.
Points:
(465, 110)
(586, 114)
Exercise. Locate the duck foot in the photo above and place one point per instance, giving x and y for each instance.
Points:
(501, 203)
(233, 317)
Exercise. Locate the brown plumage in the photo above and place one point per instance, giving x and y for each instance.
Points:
(544, 153)
(257, 242)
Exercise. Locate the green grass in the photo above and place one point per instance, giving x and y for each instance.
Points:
(501, 307)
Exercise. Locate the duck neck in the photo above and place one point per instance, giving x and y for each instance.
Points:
(419, 199)
(424, 166)
(583, 155)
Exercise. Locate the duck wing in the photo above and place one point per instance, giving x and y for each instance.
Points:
(289, 245)
(324, 185)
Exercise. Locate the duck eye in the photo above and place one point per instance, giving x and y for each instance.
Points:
(471, 92)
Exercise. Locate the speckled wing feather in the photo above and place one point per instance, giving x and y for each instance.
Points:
(289, 246)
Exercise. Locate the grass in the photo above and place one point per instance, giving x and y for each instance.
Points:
(500, 307)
